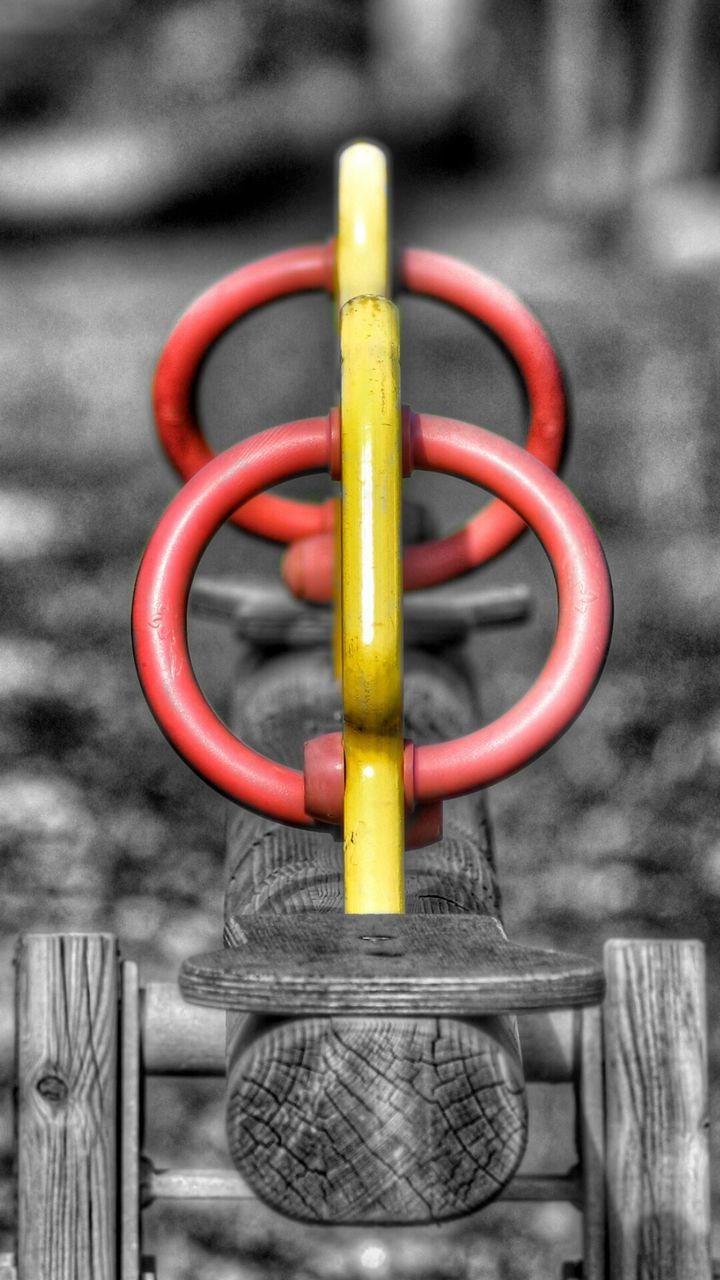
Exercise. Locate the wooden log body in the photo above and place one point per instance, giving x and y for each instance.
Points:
(365, 1119)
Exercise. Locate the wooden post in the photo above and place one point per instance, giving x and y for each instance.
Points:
(365, 1119)
(657, 1111)
(130, 1123)
(590, 1105)
(67, 1067)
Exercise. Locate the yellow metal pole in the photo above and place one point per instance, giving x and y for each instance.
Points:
(362, 251)
(362, 266)
(337, 590)
(372, 677)
(368, 596)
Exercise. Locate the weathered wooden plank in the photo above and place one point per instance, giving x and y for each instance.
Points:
(657, 1111)
(130, 1121)
(366, 1119)
(591, 1141)
(67, 1060)
(385, 964)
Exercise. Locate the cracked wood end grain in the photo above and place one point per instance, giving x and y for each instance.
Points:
(67, 1051)
(384, 1120)
(374, 1119)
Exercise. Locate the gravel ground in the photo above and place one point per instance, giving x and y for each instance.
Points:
(614, 833)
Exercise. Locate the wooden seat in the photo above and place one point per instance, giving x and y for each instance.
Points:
(379, 964)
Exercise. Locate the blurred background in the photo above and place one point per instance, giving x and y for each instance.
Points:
(571, 147)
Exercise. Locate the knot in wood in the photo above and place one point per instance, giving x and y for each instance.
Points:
(53, 1088)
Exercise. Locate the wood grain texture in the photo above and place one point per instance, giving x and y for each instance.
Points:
(67, 1066)
(281, 703)
(190, 1040)
(590, 1119)
(657, 1111)
(131, 1121)
(375, 1119)
(366, 1119)
(386, 964)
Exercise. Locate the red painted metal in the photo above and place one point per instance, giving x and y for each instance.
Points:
(584, 608)
(300, 270)
(308, 566)
(324, 769)
(434, 275)
(441, 771)
(160, 609)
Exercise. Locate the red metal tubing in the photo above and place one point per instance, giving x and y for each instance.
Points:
(300, 270)
(308, 565)
(437, 276)
(442, 771)
(308, 568)
(584, 608)
(160, 611)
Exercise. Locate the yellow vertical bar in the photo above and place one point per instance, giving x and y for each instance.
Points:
(362, 266)
(372, 679)
(362, 251)
(337, 590)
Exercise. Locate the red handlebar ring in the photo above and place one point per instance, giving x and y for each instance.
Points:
(302, 270)
(448, 769)
(310, 268)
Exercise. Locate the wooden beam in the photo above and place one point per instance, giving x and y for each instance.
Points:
(226, 1184)
(366, 1119)
(181, 1039)
(658, 1169)
(67, 1118)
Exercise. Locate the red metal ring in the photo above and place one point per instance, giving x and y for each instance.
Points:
(308, 566)
(449, 769)
(585, 609)
(495, 527)
(160, 611)
(300, 270)
(308, 570)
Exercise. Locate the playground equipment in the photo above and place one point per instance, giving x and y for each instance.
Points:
(374, 1023)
